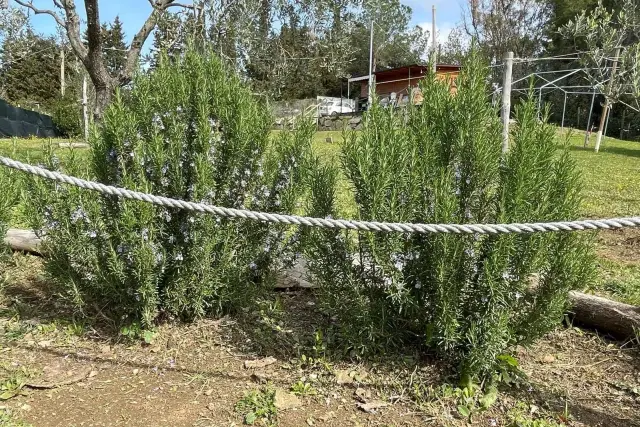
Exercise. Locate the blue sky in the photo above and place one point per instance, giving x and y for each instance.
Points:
(448, 15)
(134, 12)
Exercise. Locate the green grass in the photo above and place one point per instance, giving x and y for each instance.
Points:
(611, 177)
(611, 188)
(29, 149)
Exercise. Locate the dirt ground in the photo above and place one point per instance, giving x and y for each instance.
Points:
(622, 245)
(55, 371)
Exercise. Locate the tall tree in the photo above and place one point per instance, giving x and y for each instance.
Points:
(501, 26)
(611, 61)
(115, 48)
(321, 43)
(30, 71)
(395, 42)
(66, 15)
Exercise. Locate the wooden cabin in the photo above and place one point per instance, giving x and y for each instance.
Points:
(396, 84)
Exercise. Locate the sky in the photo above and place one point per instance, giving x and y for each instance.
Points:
(448, 14)
(134, 12)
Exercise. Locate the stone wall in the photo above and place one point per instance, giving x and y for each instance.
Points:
(325, 123)
(340, 122)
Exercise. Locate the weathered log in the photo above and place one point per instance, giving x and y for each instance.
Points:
(615, 318)
(22, 240)
(618, 319)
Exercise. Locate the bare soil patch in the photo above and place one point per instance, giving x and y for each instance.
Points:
(87, 374)
(622, 245)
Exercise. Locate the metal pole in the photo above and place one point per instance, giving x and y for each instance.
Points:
(85, 114)
(586, 135)
(564, 108)
(434, 59)
(371, 66)
(506, 100)
(607, 103)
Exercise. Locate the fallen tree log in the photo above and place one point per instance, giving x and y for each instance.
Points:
(612, 317)
(616, 318)
(22, 240)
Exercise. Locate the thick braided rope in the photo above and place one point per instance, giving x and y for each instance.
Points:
(325, 222)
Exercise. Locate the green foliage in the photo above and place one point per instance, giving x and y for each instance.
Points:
(469, 298)
(115, 49)
(258, 405)
(316, 44)
(135, 332)
(67, 116)
(191, 131)
(303, 389)
(10, 182)
(8, 420)
(30, 70)
(12, 381)
(601, 32)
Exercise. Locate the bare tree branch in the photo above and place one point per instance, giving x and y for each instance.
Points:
(164, 4)
(141, 36)
(37, 11)
(71, 22)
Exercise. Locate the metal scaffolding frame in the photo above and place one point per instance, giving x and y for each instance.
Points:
(550, 84)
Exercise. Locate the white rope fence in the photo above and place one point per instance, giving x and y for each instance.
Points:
(391, 227)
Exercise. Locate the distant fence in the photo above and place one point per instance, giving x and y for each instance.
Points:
(21, 123)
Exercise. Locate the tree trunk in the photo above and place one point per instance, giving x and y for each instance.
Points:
(104, 93)
(603, 119)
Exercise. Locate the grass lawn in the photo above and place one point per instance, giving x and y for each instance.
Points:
(611, 189)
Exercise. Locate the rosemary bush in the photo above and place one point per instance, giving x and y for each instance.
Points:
(468, 298)
(188, 130)
(10, 187)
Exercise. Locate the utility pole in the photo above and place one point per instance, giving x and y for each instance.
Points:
(62, 82)
(506, 100)
(434, 58)
(371, 67)
(607, 103)
(85, 114)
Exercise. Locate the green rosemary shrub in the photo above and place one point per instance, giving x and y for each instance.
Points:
(189, 130)
(10, 185)
(466, 297)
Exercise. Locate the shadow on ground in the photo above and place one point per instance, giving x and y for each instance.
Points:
(621, 151)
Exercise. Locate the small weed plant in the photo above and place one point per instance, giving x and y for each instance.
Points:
(188, 130)
(257, 406)
(301, 388)
(468, 298)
